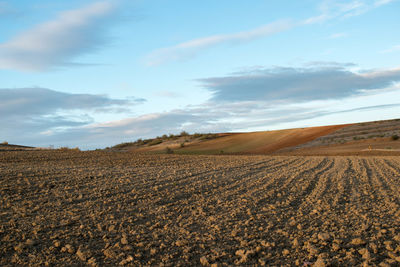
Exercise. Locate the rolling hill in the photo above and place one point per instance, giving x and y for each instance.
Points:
(357, 138)
(9, 147)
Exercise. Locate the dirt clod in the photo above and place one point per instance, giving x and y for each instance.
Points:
(81, 255)
(204, 261)
(323, 236)
(357, 242)
(319, 263)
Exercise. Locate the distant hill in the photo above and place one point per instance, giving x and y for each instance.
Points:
(377, 137)
(357, 138)
(9, 147)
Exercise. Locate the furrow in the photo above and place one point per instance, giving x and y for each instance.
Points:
(343, 185)
(312, 180)
(392, 189)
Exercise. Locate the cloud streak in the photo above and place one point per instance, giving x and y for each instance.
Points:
(378, 3)
(329, 9)
(337, 35)
(57, 42)
(394, 48)
(193, 47)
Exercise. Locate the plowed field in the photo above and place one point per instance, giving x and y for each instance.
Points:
(96, 208)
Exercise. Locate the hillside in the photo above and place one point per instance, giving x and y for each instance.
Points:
(9, 147)
(358, 138)
(259, 142)
(370, 138)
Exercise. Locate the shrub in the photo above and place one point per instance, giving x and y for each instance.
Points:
(139, 141)
(65, 148)
(183, 144)
(208, 136)
(168, 150)
(204, 137)
(155, 142)
(123, 145)
(184, 133)
(197, 135)
(146, 141)
(395, 137)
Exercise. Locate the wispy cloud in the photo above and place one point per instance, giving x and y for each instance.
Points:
(192, 47)
(382, 2)
(394, 48)
(57, 42)
(337, 35)
(332, 9)
(167, 94)
(328, 10)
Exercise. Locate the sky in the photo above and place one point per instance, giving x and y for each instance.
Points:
(93, 74)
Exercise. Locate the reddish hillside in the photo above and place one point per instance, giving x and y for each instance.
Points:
(259, 142)
(326, 140)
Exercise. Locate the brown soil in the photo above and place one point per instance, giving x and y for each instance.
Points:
(260, 142)
(174, 144)
(297, 137)
(376, 133)
(324, 140)
(94, 208)
(373, 146)
(9, 147)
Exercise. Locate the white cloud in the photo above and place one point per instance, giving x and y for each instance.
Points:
(192, 47)
(394, 48)
(382, 2)
(56, 42)
(328, 9)
(337, 35)
(316, 19)
(331, 9)
(167, 94)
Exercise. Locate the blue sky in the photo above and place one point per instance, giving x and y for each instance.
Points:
(97, 73)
